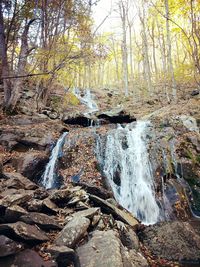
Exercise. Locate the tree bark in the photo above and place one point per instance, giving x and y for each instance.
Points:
(169, 54)
(124, 49)
(24, 51)
(4, 61)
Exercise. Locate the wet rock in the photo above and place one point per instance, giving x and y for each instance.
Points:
(13, 213)
(116, 116)
(42, 220)
(122, 215)
(64, 256)
(8, 246)
(26, 258)
(73, 232)
(31, 164)
(81, 120)
(23, 231)
(18, 181)
(103, 249)
(176, 241)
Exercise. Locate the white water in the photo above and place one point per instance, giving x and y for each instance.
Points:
(87, 100)
(49, 176)
(126, 156)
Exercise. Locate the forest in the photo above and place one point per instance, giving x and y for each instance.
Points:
(55, 45)
(99, 133)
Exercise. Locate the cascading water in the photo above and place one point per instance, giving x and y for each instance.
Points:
(126, 165)
(50, 175)
(87, 100)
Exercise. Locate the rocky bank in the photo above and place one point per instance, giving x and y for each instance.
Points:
(80, 224)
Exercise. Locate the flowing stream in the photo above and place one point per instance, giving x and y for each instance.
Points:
(125, 163)
(87, 99)
(50, 175)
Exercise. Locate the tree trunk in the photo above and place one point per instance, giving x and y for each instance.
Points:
(169, 54)
(16, 92)
(131, 52)
(4, 61)
(147, 69)
(124, 49)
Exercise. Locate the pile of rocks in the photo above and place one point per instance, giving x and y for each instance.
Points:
(63, 227)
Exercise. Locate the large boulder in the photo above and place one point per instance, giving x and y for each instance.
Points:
(23, 231)
(31, 164)
(103, 249)
(15, 197)
(13, 213)
(177, 241)
(87, 213)
(133, 258)
(73, 232)
(8, 246)
(117, 213)
(42, 220)
(117, 115)
(18, 181)
(64, 256)
(26, 258)
(8, 140)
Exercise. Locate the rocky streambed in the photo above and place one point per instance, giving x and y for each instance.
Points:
(81, 224)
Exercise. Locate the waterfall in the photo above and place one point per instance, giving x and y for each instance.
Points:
(50, 175)
(87, 100)
(127, 167)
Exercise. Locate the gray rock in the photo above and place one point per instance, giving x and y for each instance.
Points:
(23, 231)
(60, 195)
(35, 205)
(173, 241)
(8, 140)
(16, 198)
(42, 220)
(53, 115)
(128, 237)
(190, 123)
(64, 256)
(102, 250)
(13, 213)
(88, 213)
(18, 181)
(26, 258)
(73, 232)
(47, 203)
(8, 246)
(31, 164)
(133, 258)
(123, 215)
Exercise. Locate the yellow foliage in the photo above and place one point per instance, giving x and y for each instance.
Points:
(70, 99)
